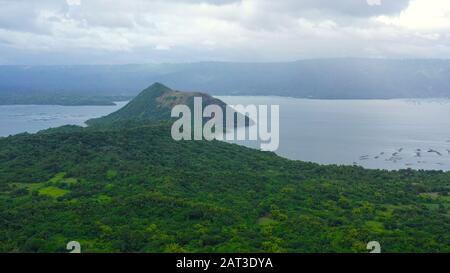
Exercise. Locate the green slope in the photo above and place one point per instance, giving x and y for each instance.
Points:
(155, 103)
(137, 190)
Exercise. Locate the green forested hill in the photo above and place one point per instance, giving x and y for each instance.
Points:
(137, 190)
(155, 104)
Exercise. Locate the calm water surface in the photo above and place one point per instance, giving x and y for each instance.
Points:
(16, 119)
(389, 134)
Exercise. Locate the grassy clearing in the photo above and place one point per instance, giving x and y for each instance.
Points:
(266, 220)
(375, 226)
(104, 199)
(432, 195)
(52, 191)
(46, 188)
(57, 178)
(69, 181)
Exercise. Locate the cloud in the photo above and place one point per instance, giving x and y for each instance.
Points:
(374, 2)
(233, 30)
(73, 2)
(162, 47)
(422, 15)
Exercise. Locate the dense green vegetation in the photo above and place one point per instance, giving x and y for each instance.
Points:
(138, 190)
(124, 185)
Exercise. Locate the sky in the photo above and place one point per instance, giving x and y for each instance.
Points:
(153, 31)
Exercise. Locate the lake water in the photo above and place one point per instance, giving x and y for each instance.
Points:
(16, 119)
(389, 134)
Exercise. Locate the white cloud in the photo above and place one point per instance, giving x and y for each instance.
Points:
(236, 30)
(73, 2)
(162, 47)
(422, 15)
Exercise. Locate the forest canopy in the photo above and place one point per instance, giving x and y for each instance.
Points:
(137, 190)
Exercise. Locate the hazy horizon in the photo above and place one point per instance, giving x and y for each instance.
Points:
(235, 62)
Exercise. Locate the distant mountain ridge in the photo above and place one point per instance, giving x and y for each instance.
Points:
(320, 78)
